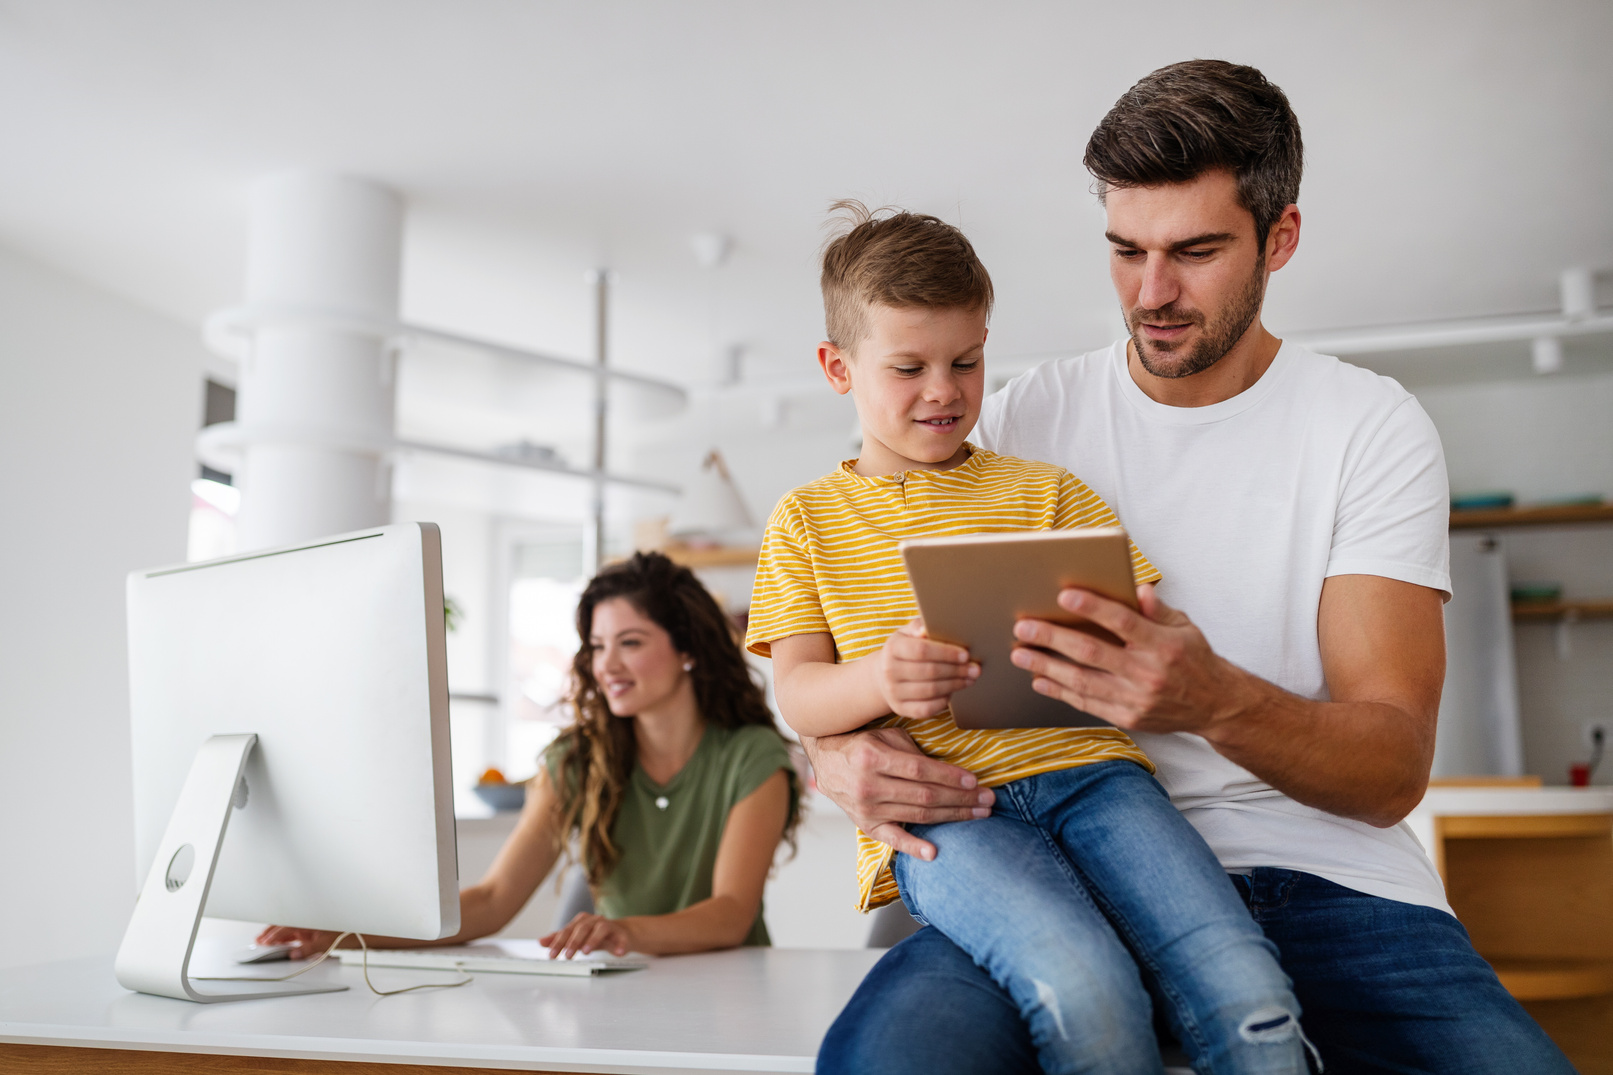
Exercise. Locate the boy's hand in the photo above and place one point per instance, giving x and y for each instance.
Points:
(917, 676)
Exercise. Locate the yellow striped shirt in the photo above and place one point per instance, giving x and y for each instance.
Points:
(829, 565)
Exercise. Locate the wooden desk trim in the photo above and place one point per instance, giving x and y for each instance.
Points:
(18, 1059)
(1511, 826)
(1548, 979)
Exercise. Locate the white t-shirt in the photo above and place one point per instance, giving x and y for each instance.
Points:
(1320, 468)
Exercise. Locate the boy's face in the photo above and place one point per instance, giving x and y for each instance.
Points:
(917, 378)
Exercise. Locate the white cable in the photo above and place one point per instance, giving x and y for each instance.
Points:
(465, 980)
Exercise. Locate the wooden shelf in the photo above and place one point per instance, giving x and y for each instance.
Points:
(720, 556)
(1488, 518)
(1547, 611)
(1554, 979)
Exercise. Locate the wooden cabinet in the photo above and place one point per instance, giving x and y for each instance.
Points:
(1529, 872)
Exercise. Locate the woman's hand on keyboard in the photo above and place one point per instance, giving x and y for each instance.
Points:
(587, 933)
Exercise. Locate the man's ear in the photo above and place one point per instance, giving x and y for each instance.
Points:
(1283, 239)
(836, 366)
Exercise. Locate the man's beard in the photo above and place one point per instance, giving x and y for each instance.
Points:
(1215, 339)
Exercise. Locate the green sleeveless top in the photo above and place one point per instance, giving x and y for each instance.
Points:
(668, 833)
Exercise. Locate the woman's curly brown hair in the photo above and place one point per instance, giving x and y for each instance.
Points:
(599, 749)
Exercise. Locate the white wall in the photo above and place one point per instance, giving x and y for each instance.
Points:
(1538, 438)
(99, 402)
(1541, 438)
(811, 899)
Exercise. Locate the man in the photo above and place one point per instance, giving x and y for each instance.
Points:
(1285, 677)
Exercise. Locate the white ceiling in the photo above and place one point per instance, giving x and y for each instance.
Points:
(1460, 153)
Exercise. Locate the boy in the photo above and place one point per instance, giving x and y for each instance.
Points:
(1084, 856)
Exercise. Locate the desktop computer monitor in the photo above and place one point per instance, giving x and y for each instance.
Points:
(289, 711)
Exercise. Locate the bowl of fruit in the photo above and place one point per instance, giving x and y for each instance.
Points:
(498, 792)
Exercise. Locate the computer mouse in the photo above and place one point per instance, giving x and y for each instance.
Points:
(264, 953)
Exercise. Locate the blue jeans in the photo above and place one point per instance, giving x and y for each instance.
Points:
(1387, 987)
(1079, 877)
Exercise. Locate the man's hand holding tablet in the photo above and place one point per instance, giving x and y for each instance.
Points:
(1151, 676)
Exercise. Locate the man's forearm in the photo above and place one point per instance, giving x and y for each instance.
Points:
(1365, 756)
(1363, 760)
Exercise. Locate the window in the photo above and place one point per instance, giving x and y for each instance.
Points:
(214, 499)
(544, 573)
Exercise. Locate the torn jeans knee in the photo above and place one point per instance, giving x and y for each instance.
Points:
(1273, 1025)
(1268, 1025)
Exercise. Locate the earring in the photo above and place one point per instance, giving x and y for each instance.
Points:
(688, 666)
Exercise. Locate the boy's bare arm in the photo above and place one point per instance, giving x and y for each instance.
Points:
(817, 696)
(909, 675)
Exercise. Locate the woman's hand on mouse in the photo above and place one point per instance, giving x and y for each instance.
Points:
(588, 933)
(306, 943)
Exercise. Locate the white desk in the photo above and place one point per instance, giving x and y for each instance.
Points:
(750, 1010)
(1430, 819)
(1503, 802)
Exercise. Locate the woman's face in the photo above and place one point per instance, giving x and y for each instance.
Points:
(635, 664)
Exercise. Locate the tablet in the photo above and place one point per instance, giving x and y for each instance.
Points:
(972, 589)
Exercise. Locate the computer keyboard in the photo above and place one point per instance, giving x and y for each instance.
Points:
(495, 956)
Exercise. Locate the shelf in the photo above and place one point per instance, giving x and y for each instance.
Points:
(1554, 979)
(721, 556)
(1554, 611)
(1489, 518)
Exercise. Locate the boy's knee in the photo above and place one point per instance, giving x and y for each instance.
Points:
(1083, 1004)
(1095, 1033)
(1268, 1026)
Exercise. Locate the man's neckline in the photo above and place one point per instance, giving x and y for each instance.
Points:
(1244, 365)
(1209, 413)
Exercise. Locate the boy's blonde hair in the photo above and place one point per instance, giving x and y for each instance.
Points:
(902, 260)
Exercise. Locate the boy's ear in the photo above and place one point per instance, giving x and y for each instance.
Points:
(836, 366)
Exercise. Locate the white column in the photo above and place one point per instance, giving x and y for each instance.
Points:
(314, 410)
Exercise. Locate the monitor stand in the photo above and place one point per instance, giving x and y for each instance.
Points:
(156, 950)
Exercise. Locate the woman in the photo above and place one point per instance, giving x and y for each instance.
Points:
(672, 780)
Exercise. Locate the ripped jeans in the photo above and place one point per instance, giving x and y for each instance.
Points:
(1080, 878)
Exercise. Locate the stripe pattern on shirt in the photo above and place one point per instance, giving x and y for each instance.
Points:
(830, 565)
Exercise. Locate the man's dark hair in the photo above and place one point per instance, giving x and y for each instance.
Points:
(1190, 118)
